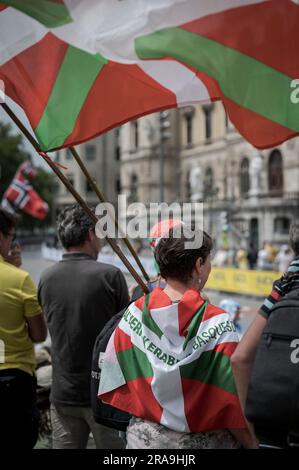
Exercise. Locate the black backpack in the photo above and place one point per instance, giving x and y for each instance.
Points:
(103, 413)
(273, 395)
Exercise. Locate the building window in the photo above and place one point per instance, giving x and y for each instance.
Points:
(282, 225)
(189, 128)
(207, 109)
(56, 187)
(224, 179)
(188, 187)
(90, 152)
(226, 120)
(117, 147)
(135, 134)
(68, 154)
(209, 183)
(71, 179)
(275, 171)
(118, 186)
(244, 176)
(88, 187)
(133, 188)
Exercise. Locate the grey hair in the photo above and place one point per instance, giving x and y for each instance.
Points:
(73, 225)
(294, 236)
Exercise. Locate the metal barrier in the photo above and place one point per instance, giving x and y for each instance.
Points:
(255, 283)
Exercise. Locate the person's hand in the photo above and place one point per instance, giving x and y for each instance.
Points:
(15, 256)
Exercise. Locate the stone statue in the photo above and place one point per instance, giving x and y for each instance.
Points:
(196, 184)
(255, 172)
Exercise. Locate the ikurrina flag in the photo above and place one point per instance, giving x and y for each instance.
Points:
(20, 195)
(79, 68)
(169, 363)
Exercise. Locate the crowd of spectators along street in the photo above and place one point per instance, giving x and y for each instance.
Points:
(269, 258)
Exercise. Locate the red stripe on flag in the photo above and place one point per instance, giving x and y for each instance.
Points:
(30, 76)
(211, 84)
(137, 398)
(226, 348)
(119, 94)
(122, 341)
(266, 31)
(212, 311)
(189, 304)
(2, 7)
(139, 302)
(158, 299)
(262, 132)
(221, 409)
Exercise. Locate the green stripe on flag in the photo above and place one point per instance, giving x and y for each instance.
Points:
(134, 364)
(211, 368)
(49, 13)
(194, 324)
(243, 79)
(75, 78)
(148, 320)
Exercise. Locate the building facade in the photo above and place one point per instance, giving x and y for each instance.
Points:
(101, 156)
(249, 194)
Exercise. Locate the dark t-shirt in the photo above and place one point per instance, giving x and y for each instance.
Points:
(78, 296)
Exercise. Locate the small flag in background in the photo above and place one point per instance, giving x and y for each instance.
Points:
(21, 195)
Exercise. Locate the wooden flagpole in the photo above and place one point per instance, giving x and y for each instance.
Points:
(75, 194)
(102, 199)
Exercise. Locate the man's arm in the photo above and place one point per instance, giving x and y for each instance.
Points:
(37, 328)
(243, 357)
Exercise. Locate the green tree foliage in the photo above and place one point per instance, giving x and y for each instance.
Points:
(11, 156)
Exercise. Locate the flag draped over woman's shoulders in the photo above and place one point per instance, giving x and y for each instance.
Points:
(169, 362)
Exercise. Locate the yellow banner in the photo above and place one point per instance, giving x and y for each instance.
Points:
(256, 283)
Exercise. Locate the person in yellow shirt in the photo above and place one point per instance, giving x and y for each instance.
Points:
(21, 324)
(241, 258)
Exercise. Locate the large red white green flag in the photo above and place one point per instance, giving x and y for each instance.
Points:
(79, 68)
(170, 363)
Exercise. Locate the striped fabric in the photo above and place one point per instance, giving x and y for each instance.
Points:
(281, 287)
(51, 13)
(78, 72)
(169, 363)
(20, 195)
